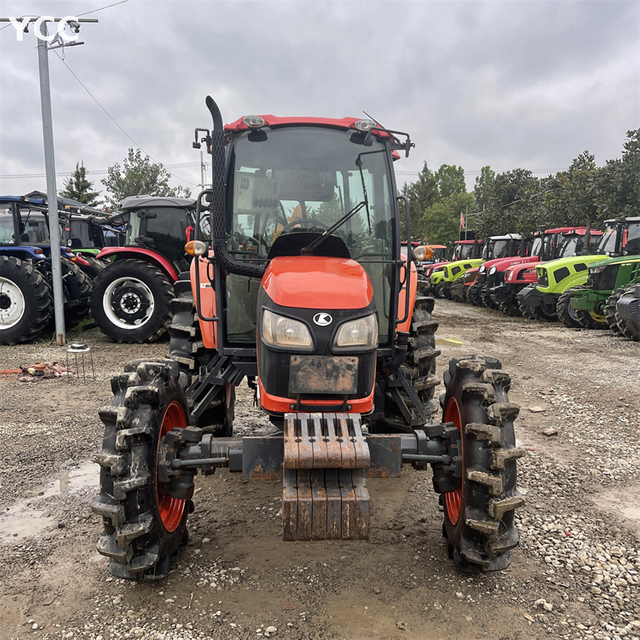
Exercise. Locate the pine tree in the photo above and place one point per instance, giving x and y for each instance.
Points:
(78, 187)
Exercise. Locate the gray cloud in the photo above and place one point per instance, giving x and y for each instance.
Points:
(507, 84)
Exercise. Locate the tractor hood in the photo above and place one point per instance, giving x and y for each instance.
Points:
(503, 263)
(317, 282)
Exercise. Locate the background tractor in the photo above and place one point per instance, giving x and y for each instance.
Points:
(549, 298)
(26, 299)
(301, 289)
(132, 295)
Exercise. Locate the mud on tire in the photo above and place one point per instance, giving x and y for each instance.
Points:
(628, 328)
(565, 312)
(143, 525)
(479, 517)
(77, 287)
(187, 349)
(610, 311)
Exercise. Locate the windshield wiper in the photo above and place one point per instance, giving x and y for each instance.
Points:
(309, 249)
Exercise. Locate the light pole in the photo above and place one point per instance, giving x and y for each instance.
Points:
(49, 157)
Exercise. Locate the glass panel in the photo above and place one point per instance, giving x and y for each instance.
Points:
(168, 231)
(6, 225)
(306, 180)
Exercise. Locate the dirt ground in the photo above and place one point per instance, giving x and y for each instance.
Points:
(574, 575)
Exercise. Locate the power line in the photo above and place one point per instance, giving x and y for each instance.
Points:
(114, 121)
(18, 176)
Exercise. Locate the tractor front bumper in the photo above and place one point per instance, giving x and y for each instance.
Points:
(530, 296)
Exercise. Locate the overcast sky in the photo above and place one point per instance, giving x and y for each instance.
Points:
(509, 83)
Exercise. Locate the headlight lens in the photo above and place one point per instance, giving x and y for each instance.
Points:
(492, 270)
(482, 268)
(279, 331)
(362, 332)
(419, 254)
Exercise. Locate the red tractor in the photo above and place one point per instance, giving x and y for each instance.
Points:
(131, 298)
(302, 290)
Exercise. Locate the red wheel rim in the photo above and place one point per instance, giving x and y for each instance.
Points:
(453, 499)
(171, 509)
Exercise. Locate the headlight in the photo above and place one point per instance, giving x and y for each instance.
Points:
(279, 331)
(481, 269)
(362, 332)
(419, 254)
(492, 270)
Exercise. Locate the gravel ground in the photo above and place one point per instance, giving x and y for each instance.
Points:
(575, 574)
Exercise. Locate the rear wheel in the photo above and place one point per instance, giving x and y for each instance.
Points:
(479, 515)
(486, 298)
(565, 312)
(510, 307)
(130, 301)
(187, 349)
(143, 524)
(26, 303)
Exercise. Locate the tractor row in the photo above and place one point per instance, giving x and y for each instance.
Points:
(118, 269)
(581, 277)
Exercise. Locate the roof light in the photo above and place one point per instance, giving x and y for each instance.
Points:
(364, 125)
(253, 122)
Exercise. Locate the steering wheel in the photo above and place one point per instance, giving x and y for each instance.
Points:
(304, 222)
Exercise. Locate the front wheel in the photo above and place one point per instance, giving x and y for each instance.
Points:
(143, 524)
(565, 312)
(130, 301)
(479, 515)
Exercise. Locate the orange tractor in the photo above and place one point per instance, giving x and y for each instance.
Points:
(303, 290)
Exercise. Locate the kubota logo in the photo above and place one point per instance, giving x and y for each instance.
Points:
(322, 319)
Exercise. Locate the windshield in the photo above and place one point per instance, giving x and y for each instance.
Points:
(6, 225)
(304, 180)
(496, 249)
(34, 227)
(572, 246)
(607, 242)
(536, 247)
(464, 251)
(631, 240)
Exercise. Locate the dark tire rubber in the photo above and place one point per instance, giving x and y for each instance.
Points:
(21, 284)
(438, 292)
(628, 328)
(510, 308)
(143, 526)
(479, 517)
(95, 265)
(486, 298)
(187, 349)
(138, 279)
(610, 311)
(77, 288)
(419, 368)
(473, 295)
(565, 312)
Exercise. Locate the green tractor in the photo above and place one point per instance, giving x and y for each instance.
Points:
(550, 297)
(442, 280)
(594, 305)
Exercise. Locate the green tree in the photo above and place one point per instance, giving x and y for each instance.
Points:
(440, 223)
(78, 187)
(483, 187)
(449, 180)
(140, 175)
(421, 194)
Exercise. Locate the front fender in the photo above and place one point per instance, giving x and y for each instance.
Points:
(135, 253)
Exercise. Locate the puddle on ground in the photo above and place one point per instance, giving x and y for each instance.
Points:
(33, 516)
(624, 502)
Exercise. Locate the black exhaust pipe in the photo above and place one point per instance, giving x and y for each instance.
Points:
(219, 200)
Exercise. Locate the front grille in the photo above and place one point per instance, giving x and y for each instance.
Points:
(605, 280)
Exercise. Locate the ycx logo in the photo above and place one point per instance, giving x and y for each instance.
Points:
(21, 26)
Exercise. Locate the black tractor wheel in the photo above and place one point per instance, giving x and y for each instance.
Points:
(438, 292)
(143, 524)
(565, 312)
(628, 328)
(458, 293)
(610, 311)
(131, 301)
(510, 308)
(486, 298)
(479, 515)
(95, 265)
(26, 303)
(187, 349)
(473, 295)
(419, 369)
(77, 288)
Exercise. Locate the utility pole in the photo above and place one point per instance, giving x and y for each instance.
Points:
(49, 155)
